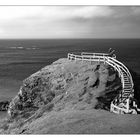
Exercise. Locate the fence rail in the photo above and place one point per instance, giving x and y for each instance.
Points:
(121, 104)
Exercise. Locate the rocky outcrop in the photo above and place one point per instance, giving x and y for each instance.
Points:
(4, 105)
(65, 86)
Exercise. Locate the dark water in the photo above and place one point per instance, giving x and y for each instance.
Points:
(20, 58)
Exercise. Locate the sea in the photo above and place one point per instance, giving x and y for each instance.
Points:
(19, 58)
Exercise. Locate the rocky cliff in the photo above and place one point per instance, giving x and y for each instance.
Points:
(60, 90)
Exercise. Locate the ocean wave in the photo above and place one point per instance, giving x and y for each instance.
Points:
(27, 48)
(16, 47)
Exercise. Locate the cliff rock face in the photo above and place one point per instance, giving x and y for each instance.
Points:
(63, 86)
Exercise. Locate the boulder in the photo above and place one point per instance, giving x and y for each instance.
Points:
(4, 105)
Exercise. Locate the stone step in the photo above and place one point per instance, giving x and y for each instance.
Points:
(126, 78)
(127, 91)
(127, 82)
(127, 87)
(124, 73)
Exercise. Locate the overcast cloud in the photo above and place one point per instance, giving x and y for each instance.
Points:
(69, 22)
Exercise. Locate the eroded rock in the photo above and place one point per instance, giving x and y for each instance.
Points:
(68, 85)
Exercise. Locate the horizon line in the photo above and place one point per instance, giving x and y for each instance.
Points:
(58, 38)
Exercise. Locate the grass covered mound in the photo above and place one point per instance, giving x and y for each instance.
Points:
(63, 86)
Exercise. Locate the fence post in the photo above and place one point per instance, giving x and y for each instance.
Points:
(82, 58)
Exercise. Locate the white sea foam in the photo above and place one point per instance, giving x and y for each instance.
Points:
(17, 47)
(29, 48)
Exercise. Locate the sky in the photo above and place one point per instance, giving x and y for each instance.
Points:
(69, 22)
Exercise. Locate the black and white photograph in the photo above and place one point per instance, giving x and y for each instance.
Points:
(69, 69)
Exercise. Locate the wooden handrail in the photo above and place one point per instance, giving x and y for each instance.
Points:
(120, 67)
(102, 56)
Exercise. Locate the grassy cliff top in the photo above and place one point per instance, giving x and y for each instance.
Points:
(67, 97)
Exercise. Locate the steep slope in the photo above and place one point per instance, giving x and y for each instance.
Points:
(63, 98)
